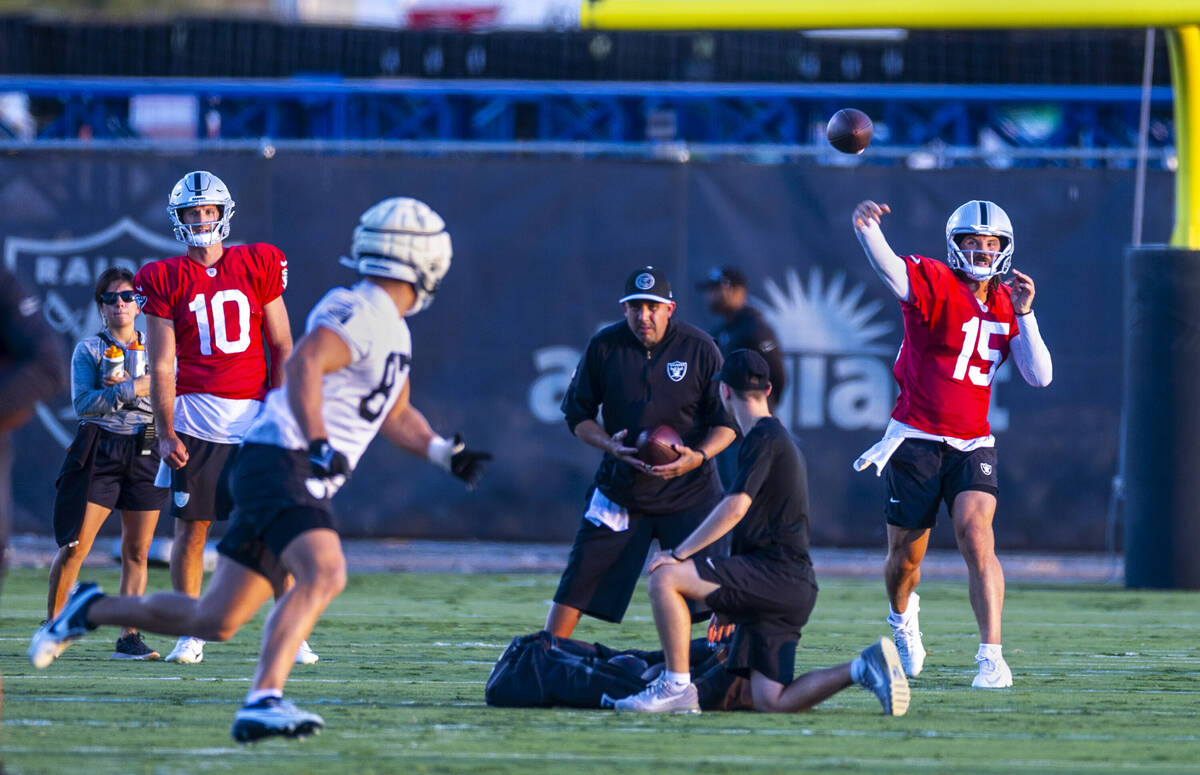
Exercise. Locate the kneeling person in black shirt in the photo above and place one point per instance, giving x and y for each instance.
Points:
(767, 586)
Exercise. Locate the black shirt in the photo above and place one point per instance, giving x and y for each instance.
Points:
(773, 473)
(640, 389)
(748, 330)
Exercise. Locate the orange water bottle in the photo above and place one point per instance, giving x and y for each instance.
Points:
(113, 362)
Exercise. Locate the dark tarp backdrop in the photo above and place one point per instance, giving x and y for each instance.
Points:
(542, 247)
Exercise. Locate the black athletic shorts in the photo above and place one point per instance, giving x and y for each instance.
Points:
(604, 565)
(272, 505)
(194, 487)
(770, 600)
(107, 469)
(923, 474)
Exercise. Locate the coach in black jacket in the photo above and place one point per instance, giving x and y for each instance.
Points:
(648, 371)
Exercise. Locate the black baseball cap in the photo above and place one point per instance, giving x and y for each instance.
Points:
(745, 370)
(648, 283)
(723, 275)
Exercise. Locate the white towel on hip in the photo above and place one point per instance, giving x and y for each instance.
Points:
(602, 511)
(879, 454)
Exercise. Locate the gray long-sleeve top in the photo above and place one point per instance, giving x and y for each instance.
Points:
(115, 408)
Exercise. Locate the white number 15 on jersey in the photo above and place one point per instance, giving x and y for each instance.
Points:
(976, 336)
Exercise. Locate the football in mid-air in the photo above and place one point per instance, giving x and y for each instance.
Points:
(850, 130)
(654, 447)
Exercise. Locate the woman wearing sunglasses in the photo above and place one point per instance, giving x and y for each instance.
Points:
(111, 462)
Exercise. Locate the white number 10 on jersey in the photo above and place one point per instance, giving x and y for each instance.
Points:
(218, 331)
(976, 336)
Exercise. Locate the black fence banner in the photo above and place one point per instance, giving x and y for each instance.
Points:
(541, 248)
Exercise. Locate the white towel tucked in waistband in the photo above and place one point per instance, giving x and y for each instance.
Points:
(602, 511)
(879, 454)
(895, 434)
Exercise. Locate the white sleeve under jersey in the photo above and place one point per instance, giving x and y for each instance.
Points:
(889, 266)
(1030, 352)
(357, 398)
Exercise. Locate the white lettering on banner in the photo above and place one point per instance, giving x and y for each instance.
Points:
(49, 270)
(810, 389)
(863, 395)
(840, 371)
(555, 366)
(847, 392)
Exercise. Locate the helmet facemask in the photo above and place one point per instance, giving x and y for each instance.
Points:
(195, 189)
(980, 218)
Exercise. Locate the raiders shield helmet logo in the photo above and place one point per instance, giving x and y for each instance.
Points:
(986, 468)
(676, 370)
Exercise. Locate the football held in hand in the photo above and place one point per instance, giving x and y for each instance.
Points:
(655, 446)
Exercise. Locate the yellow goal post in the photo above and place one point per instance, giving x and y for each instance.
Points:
(1180, 17)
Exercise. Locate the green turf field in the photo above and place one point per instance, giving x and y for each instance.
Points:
(1107, 680)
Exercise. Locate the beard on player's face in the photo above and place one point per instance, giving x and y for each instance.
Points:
(980, 249)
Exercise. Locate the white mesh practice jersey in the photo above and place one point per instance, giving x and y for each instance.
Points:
(356, 399)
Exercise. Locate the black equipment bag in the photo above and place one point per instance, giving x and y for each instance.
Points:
(542, 671)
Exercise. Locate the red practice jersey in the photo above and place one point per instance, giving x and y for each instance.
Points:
(953, 344)
(218, 315)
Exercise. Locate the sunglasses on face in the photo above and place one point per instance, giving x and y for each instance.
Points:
(111, 298)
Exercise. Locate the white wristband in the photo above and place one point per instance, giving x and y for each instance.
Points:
(440, 451)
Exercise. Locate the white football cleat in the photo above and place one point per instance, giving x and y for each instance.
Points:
(908, 638)
(305, 655)
(187, 651)
(993, 673)
(274, 716)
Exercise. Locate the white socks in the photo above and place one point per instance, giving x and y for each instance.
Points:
(989, 651)
(677, 680)
(910, 612)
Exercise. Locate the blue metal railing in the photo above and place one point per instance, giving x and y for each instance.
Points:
(1076, 124)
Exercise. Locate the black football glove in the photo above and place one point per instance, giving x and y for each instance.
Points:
(325, 462)
(467, 464)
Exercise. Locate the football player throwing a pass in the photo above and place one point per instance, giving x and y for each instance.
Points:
(960, 324)
(346, 381)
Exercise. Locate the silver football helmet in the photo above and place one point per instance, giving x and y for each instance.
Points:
(979, 217)
(200, 188)
(402, 239)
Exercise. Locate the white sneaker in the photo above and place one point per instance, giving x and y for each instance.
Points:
(993, 673)
(305, 655)
(883, 674)
(71, 624)
(187, 651)
(662, 696)
(908, 638)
